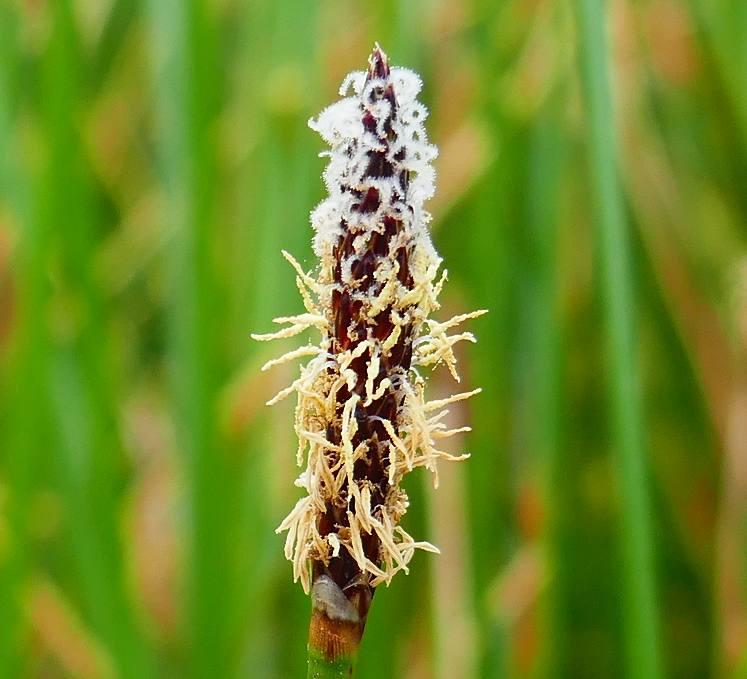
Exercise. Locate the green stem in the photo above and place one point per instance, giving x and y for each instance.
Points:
(25, 417)
(637, 542)
(321, 667)
(546, 160)
(333, 642)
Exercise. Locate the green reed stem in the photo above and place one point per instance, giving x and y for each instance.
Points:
(187, 77)
(639, 599)
(25, 416)
(322, 668)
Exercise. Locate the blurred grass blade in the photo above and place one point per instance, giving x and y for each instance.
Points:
(723, 28)
(114, 33)
(186, 79)
(280, 184)
(546, 162)
(639, 600)
(24, 413)
(86, 421)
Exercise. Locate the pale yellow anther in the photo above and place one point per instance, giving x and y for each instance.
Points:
(349, 427)
(392, 339)
(371, 373)
(446, 433)
(316, 437)
(308, 302)
(283, 393)
(309, 320)
(380, 391)
(308, 281)
(296, 353)
(440, 403)
(387, 295)
(334, 543)
(290, 331)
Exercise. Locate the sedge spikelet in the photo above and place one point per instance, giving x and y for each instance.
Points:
(362, 418)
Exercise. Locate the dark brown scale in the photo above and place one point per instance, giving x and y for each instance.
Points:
(378, 165)
(350, 327)
(401, 353)
(341, 305)
(370, 202)
(382, 325)
(369, 122)
(379, 244)
(367, 267)
(403, 274)
(391, 226)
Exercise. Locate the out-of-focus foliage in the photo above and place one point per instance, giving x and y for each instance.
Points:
(154, 161)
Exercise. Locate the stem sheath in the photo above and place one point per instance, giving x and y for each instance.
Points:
(333, 646)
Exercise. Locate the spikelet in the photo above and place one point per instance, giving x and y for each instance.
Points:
(362, 419)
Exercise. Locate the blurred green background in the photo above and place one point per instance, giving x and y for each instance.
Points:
(154, 159)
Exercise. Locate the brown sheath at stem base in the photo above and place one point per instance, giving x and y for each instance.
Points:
(334, 639)
(337, 621)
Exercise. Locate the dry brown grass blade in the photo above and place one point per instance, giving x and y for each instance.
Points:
(62, 633)
(731, 544)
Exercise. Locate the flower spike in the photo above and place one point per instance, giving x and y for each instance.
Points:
(362, 419)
